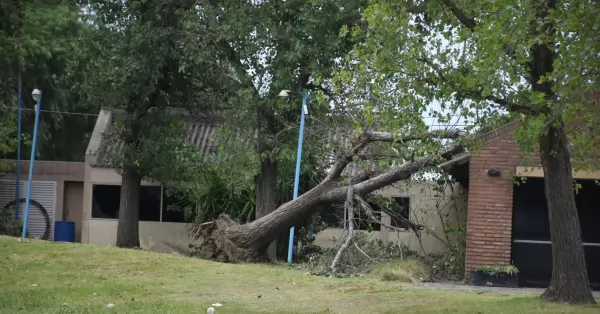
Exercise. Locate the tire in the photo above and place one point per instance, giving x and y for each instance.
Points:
(46, 235)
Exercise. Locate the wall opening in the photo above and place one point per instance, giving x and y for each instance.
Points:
(531, 247)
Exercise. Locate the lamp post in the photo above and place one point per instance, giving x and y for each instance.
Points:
(37, 96)
(303, 112)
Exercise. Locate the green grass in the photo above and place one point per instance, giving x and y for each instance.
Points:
(72, 278)
(407, 270)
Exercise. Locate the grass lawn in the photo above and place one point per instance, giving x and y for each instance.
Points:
(42, 277)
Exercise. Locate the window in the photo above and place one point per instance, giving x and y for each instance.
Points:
(335, 217)
(403, 209)
(106, 200)
(150, 198)
(172, 208)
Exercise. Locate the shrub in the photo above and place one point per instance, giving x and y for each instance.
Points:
(498, 269)
(8, 225)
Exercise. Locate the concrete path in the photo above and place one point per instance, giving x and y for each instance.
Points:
(456, 286)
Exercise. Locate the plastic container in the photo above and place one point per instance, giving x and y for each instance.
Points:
(64, 231)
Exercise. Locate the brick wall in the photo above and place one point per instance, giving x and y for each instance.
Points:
(490, 201)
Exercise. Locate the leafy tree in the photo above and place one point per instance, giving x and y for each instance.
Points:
(275, 45)
(153, 65)
(481, 59)
(44, 44)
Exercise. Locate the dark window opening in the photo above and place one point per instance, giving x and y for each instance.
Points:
(402, 208)
(364, 222)
(106, 200)
(173, 207)
(150, 197)
(335, 217)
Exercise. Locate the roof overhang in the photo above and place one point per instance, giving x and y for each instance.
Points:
(538, 172)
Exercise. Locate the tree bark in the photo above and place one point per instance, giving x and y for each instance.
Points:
(128, 227)
(569, 283)
(266, 195)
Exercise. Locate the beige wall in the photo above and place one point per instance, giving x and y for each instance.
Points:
(425, 206)
(56, 171)
(165, 237)
(97, 175)
(73, 205)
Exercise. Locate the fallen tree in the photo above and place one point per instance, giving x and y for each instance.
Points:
(229, 241)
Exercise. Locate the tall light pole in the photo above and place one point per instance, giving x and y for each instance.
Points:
(37, 96)
(303, 112)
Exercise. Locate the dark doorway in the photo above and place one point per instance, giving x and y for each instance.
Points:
(531, 247)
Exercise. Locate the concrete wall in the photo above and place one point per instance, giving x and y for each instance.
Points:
(425, 206)
(98, 175)
(165, 237)
(56, 171)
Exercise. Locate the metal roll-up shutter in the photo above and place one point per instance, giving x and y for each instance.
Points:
(44, 192)
(8, 192)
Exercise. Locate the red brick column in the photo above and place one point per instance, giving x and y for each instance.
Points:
(490, 202)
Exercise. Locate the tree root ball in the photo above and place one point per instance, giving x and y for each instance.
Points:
(218, 243)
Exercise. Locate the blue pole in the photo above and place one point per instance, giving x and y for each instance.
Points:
(17, 212)
(31, 161)
(297, 179)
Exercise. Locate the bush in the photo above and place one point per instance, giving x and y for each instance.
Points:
(8, 225)
(406, 270)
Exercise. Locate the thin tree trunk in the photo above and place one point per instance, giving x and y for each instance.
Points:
(569, 283)
(266, 195)
(128, 226)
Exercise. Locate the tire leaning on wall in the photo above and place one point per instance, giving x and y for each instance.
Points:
(46, 235)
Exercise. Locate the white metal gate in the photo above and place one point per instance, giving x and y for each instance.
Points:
(44, 192)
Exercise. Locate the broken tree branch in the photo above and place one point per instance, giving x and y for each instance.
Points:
(369, 137)
(350, 210)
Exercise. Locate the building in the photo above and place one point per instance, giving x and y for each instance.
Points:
(507, 217)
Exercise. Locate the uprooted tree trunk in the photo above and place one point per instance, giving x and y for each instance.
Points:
(231, 242)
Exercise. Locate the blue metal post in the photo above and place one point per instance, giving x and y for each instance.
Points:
(31, 161)
(17, 212)
(298, 162)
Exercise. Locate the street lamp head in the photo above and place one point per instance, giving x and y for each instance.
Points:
(36, 94)
(284, 93)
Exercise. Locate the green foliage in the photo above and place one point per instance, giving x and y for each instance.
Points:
(474, 62)
(215, 192)
(44, 44)
(8, 225)
(498, 269)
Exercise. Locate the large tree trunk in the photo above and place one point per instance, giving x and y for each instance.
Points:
(131, 181)
(266, 195)
(569, 283)
(266, 180)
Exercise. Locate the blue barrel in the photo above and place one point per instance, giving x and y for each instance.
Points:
(64, 231)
